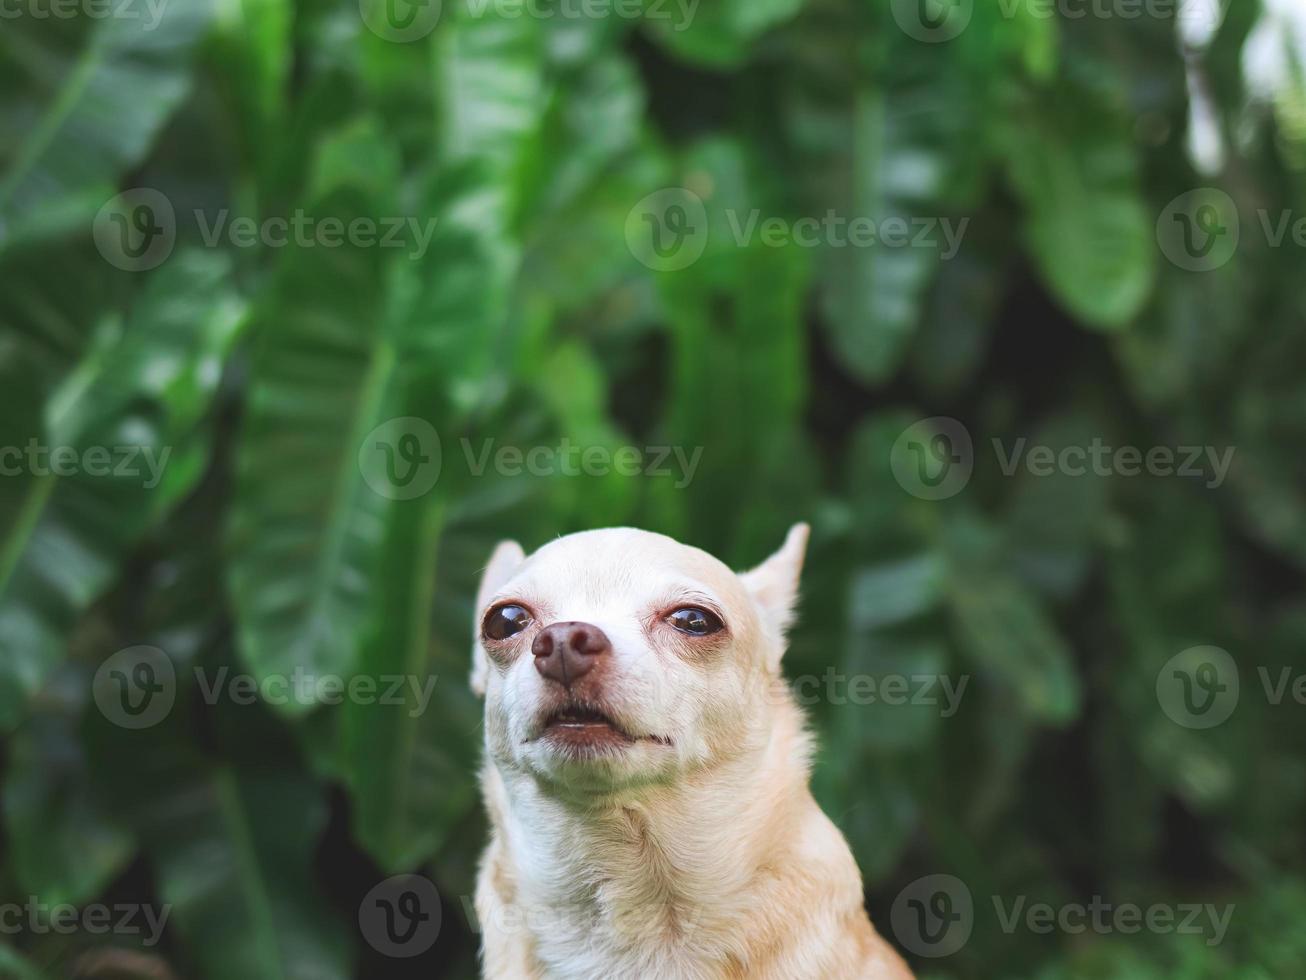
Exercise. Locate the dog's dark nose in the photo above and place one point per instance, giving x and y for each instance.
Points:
(565, 652)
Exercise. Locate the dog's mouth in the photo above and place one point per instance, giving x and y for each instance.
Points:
(574, 715)
(588, 727)
(585, 725)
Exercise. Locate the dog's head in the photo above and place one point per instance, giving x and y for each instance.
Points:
(616, 658)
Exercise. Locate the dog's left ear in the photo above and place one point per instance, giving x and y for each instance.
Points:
(774, 587)
(505, 560)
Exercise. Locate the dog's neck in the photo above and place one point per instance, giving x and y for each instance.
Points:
(675, 864)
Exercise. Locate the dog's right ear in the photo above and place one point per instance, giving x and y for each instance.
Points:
(505, 561)
(774, 587)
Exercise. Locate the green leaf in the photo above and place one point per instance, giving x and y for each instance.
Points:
(256, 43)
(872, 293)
(492, 95)
(890, 593)
(343, 335)
(885, 518)
(890, 147)
(585, 167)
(1004, 630)
(233, 853)
(15, 967)
(304, 526)
(1087, 227)
(720, 34)
(45, 327)
(573, 388)
(1260, 431)
(66, 847)
(1166, 577)
(402, 759)
(129, 413)
(1179, 350)
(960, 315)
(85, 97)
(737, 357)
(592, 120)
(577, 260)
(1054, 521)
(908, 702)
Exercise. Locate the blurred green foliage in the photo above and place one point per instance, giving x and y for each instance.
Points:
(530, 319)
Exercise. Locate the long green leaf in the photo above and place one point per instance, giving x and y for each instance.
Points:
(128, 414)
(66, 845)
(304, 526)
(85, 97)
(233, 852)
(1004, 630)
(1087, 228)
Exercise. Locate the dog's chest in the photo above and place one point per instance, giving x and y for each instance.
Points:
(606, 954)
(613, 928)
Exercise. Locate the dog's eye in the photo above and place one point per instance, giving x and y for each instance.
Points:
(695, 621)
(505, 621)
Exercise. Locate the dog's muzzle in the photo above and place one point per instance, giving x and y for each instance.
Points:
(566, 652)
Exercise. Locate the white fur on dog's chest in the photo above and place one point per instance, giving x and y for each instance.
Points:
(607, 950)
(622, 920)
(603, 929)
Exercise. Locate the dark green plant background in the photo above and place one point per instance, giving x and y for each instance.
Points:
(529, 321)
